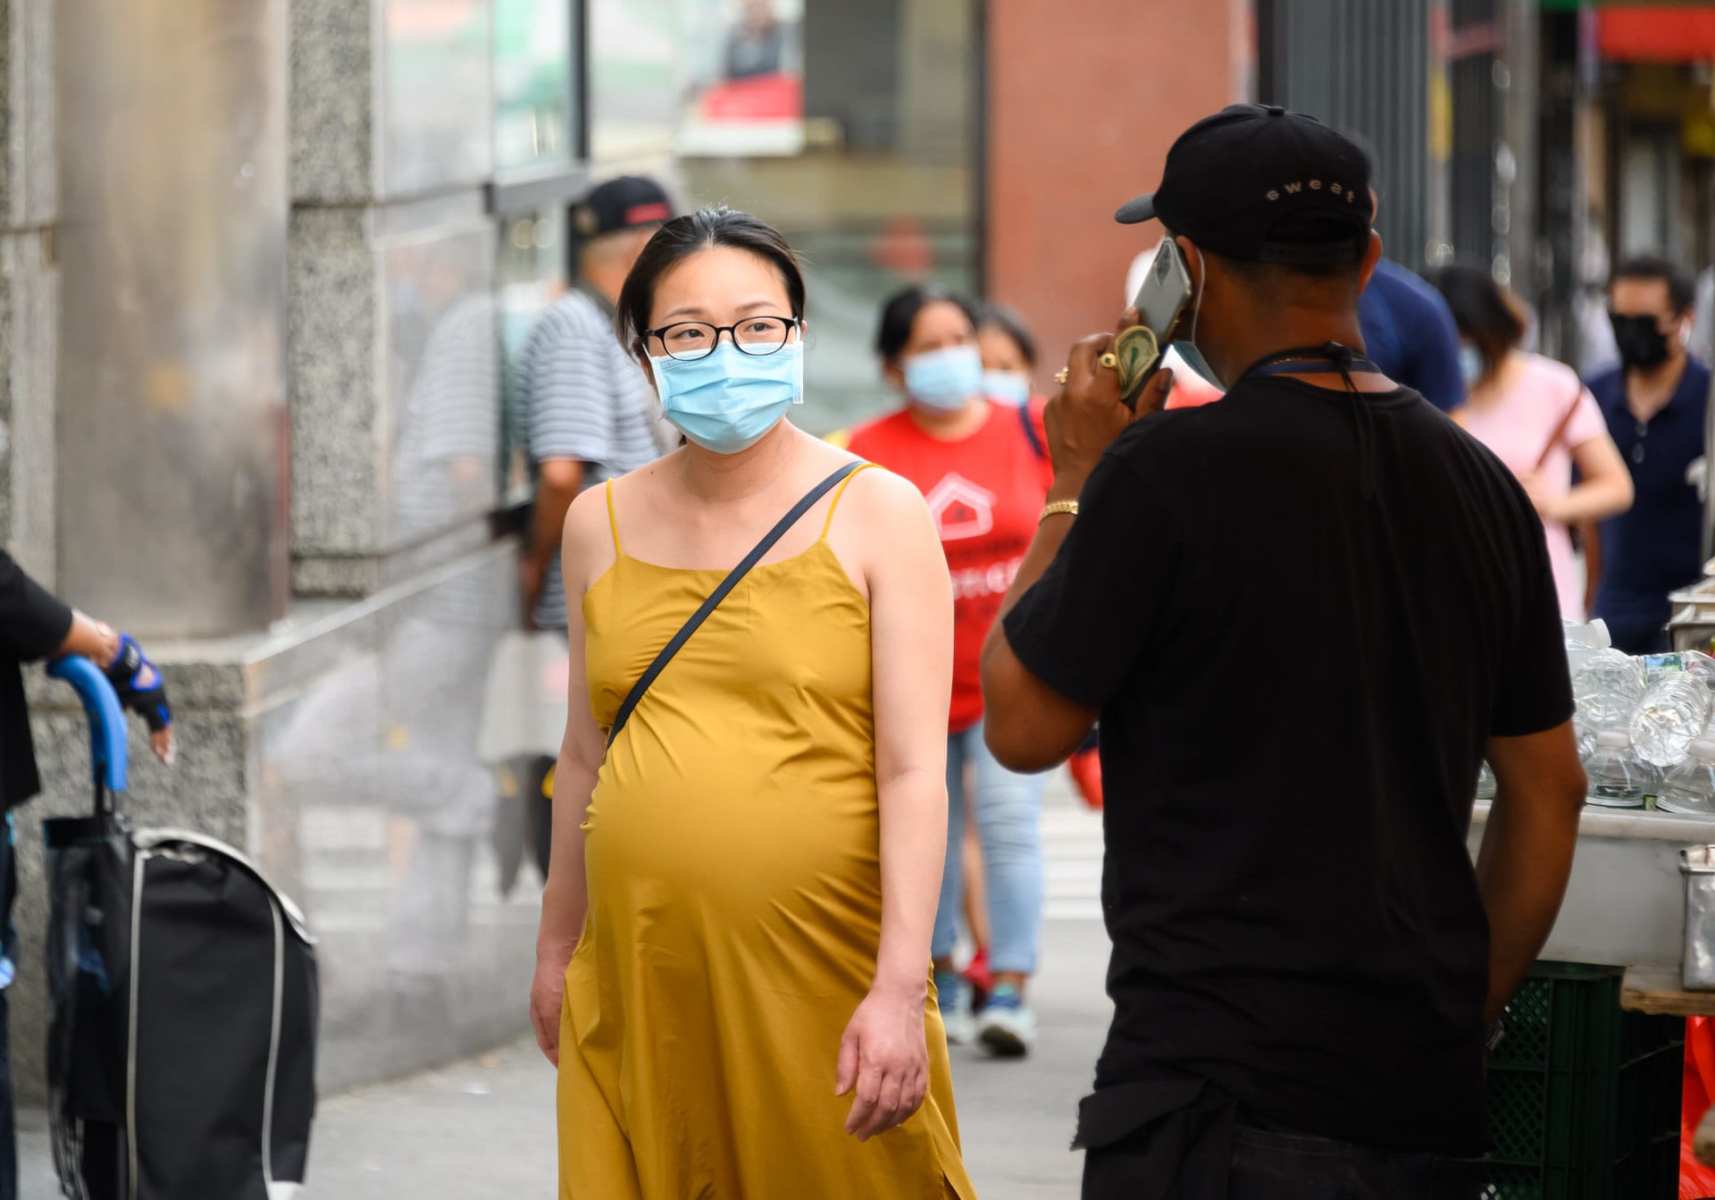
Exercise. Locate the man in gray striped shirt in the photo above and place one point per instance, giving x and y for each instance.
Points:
(588, 411)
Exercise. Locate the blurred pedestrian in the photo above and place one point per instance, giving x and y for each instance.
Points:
(35, 625)
(1539, 419)
(982, 467)
(1655, 403)
(1009, 361)
(1304, 962)
(739, 905)
(588, 412)
(1408, 331)
(1008, 355)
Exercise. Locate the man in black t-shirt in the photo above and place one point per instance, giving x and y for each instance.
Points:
(1303, 615)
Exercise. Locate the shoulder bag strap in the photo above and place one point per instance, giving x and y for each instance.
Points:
(1565, 423)
(1030, 435)
(720, 593)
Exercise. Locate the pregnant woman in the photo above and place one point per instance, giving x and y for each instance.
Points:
(733, 962)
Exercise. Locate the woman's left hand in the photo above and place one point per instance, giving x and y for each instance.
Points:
(884, 1056)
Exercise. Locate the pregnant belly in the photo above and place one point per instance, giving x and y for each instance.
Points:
(682, 858)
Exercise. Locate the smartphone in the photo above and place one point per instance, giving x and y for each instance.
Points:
(1165, 293)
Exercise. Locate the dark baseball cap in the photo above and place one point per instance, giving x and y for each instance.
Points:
(1258, 183)
(627, 202)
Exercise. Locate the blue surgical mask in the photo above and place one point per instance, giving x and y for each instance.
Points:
(726, 401)
(1009, 387)
(1187, 347)
(1470, 364)
(944, 379)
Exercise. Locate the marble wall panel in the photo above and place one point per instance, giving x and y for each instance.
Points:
(29, 288)
(392, 98)
(395, 381)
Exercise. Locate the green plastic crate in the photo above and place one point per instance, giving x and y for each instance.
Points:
(1583, 1098)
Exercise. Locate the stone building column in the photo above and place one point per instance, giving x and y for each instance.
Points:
(393, 359)
(28, 282)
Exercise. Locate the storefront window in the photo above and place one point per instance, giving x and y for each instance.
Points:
(636, 74)
(852, 127)
(534, 48)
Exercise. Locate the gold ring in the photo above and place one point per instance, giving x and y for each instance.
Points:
(1063, 374)
(1108, 360)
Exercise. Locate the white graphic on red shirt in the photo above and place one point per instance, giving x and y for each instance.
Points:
(961, 509)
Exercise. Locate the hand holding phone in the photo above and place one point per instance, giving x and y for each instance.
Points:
(1161, 303)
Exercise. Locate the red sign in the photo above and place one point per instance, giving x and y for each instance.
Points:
(1656, 33)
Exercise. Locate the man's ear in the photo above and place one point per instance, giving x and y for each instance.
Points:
(1194, 261)
(1372, 256)
(893, 375)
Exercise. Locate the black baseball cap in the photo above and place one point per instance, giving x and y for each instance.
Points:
(626, 202)
(1261, 184)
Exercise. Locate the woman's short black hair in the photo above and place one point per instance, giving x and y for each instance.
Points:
(682, 237)
(999, 316)
(900, 311)
(1482, 310)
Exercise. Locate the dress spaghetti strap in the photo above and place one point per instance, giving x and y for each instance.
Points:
(834, 504)
(613, 520)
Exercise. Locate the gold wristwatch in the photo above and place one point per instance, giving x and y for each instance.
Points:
(1059, 507)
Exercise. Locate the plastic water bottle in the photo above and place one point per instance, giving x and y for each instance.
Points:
(1690, 787)
(1670, 716)
(1618, 777)
(1608, 685)
(1485, 781)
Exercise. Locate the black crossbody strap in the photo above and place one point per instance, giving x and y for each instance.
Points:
(1025, 419)
(720, 593)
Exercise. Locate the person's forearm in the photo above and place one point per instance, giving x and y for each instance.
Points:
(1595, 499)
(913, 849)
(565, 897)
(1050, 533)
(1522, 869)
(554, 495)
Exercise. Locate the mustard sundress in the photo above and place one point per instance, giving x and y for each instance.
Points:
(733, 865)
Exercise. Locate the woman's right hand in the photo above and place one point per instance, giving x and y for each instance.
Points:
(547, 994)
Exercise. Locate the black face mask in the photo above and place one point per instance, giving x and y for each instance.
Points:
(1640, 342)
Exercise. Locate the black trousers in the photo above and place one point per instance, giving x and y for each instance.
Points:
(1286, 1166)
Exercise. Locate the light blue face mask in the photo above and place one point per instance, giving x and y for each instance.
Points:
(1009, 387)
(1187, 347)
(726, 401)
(944, 379)
(1470, 364)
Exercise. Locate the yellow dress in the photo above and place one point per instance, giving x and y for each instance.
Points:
(732, 852)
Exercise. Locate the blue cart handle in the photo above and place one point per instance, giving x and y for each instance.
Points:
(106, 718)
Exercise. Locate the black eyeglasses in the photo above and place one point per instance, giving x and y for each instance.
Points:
(688, 341)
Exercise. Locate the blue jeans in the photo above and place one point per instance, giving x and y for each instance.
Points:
(1008, 812)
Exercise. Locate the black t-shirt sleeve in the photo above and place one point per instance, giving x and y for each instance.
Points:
(1083, 626)
(1535, 690)
(33, 623)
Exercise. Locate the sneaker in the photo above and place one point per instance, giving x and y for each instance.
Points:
(954, 997)
(1006, 1027)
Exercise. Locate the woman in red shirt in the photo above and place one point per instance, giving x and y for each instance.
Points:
(980, 466)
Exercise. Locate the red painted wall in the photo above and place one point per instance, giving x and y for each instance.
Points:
(1084, 98)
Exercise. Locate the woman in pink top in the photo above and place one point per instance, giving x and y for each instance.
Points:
(1538, 418)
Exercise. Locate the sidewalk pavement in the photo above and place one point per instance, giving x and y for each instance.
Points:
(485, 1127)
